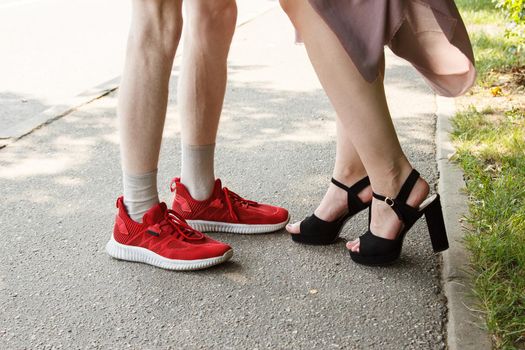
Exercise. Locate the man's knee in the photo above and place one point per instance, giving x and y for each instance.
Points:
(158, 24)
(212, 17)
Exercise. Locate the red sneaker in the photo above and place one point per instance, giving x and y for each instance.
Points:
(165, 240)
(226, 211)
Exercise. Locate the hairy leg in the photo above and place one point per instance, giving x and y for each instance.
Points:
(143, 96)
(207, 37)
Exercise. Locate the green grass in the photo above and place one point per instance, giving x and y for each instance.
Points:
(492, 155)
(492, 49)
(479, 12)
(491, 150)
(493, 53)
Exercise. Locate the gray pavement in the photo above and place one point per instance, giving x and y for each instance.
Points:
(53, 52)
(58, 288)
(60, 54)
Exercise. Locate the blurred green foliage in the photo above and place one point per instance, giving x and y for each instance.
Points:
(514, 11)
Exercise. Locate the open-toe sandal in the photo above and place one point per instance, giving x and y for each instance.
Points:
(317, 231)
(374, 250)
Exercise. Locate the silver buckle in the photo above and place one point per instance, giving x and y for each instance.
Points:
(389, 201)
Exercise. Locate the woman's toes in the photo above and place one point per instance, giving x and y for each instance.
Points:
(294, 228)
(351, 245)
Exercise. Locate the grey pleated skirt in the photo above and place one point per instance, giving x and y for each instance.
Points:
(430, 34)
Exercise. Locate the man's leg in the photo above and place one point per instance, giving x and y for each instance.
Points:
(207, 37)
(143, 96)
(144, 228)
(200, 198)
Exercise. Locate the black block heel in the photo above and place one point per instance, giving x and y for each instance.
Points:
(374, 250)
(319, 232)
(436, 226)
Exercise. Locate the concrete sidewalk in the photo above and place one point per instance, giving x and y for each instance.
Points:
(58, 288)
(58, 55)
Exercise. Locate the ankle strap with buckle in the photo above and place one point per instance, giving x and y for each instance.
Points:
(398, 204)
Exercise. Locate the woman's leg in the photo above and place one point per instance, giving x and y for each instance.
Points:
(143, 97)
(363, 113)
(208, 33)
(348, 170)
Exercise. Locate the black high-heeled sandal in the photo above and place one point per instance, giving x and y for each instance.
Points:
(320, 232)
(374, 250)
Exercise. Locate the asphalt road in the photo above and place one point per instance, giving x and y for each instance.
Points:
(58, 288)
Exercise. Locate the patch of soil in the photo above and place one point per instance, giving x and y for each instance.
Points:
(511, 87)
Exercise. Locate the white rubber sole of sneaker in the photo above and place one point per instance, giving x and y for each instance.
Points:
(143, 255)
(245, 229)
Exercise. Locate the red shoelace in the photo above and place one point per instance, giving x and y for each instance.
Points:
(232, 198)
(172, 223)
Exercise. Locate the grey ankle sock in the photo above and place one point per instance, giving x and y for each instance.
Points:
(140, 193)
(197, 172)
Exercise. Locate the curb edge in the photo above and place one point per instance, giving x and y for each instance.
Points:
(464, 328)
(18, 131)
